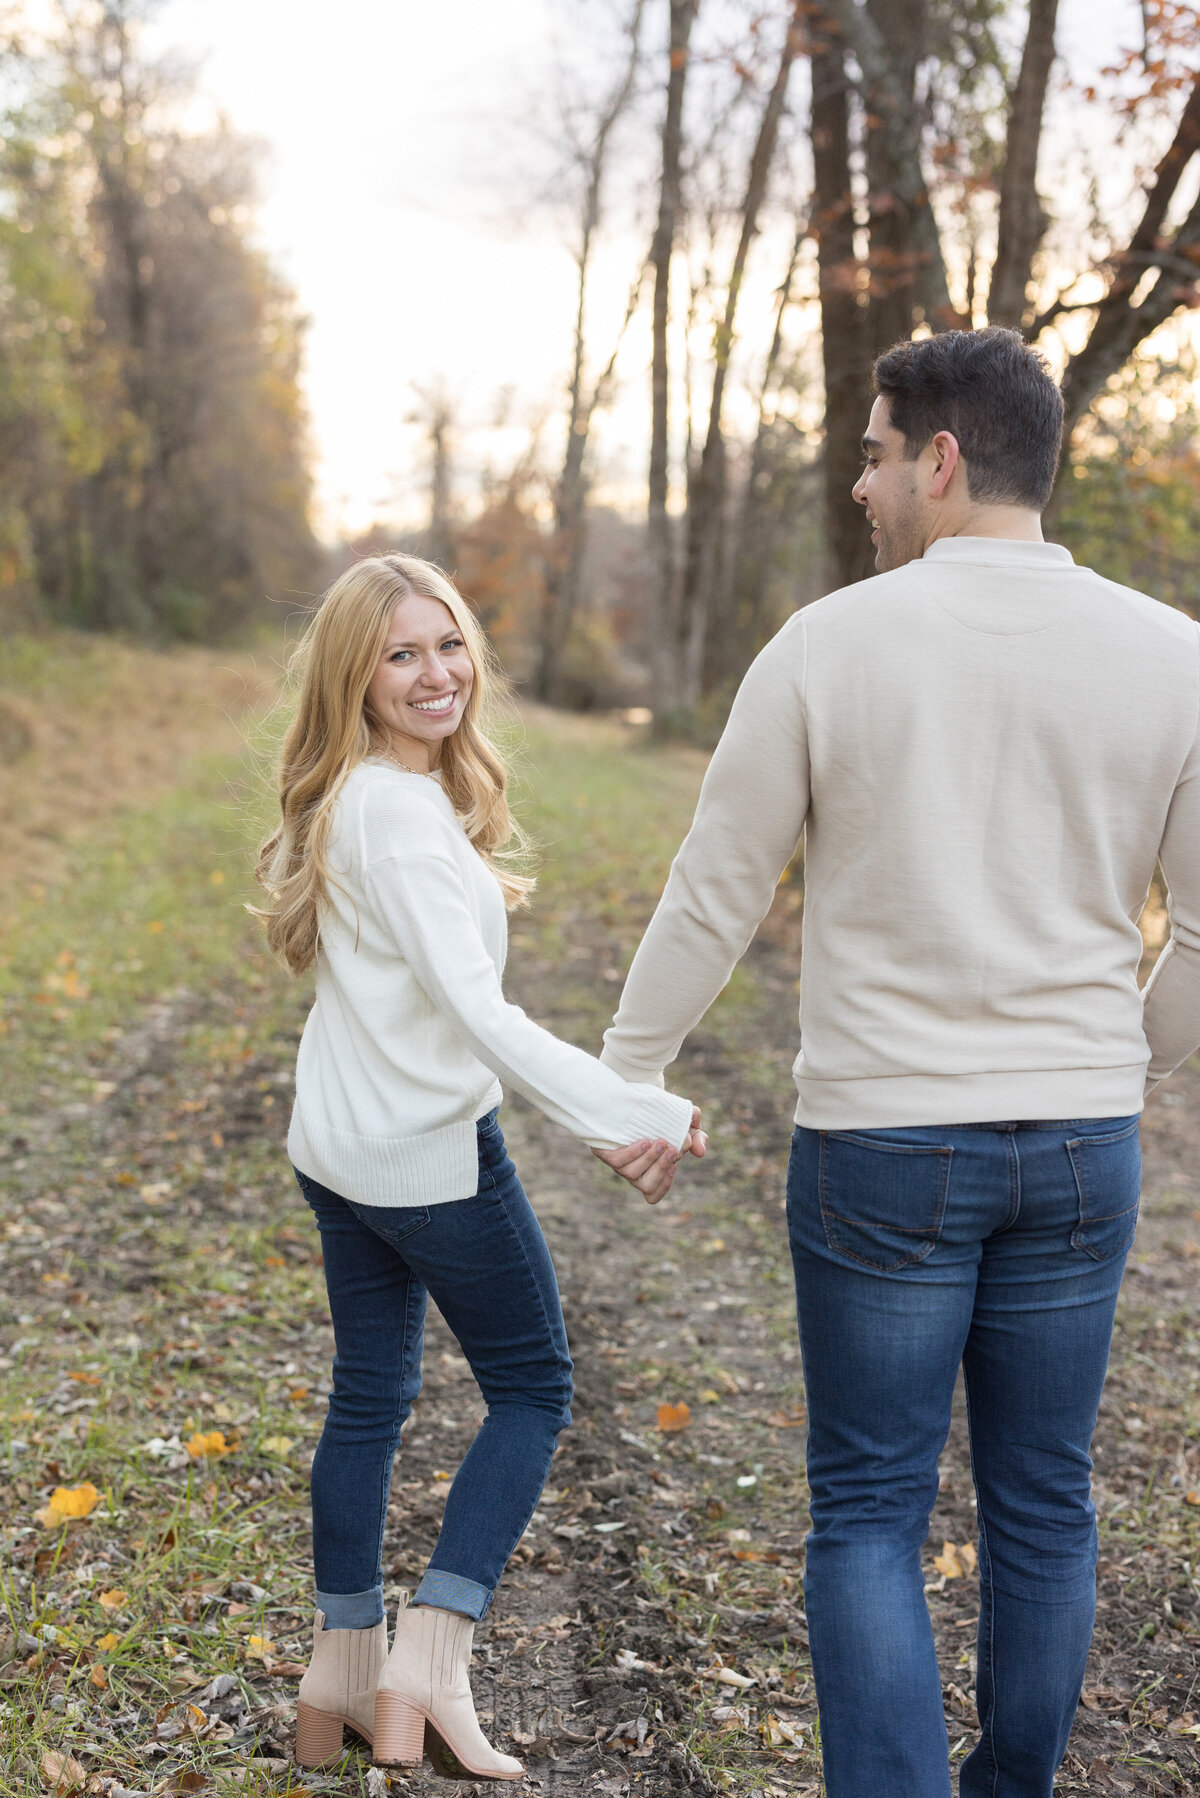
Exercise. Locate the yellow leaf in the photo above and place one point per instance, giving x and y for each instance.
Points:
(67, 1502)
(956, 1561)
(107, 1643)
(211, 1445)
(113, 1599)
(217, 877)
(259, 1647)
(672, 1418)
(155, 927)
(278, 1445)
(709, 1397)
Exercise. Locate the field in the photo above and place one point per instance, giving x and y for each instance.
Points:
(164, 1343)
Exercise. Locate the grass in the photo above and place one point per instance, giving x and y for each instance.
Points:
(163, 1310)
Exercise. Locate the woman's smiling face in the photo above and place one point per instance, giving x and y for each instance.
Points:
(422, 681)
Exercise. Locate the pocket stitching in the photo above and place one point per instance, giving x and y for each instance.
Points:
(1087, 1218)
(944, 1156)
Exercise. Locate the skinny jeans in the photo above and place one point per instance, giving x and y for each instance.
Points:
(485, 1262)
(998, 1247)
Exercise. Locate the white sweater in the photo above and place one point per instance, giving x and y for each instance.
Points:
(987, 750)
(410, 1027)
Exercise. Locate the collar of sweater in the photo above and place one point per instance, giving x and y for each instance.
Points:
(999, 552)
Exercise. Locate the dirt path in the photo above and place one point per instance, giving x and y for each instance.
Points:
(161, 1289)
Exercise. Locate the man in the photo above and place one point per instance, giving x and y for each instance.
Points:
(987, 749)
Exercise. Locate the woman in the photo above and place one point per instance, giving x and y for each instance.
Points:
(387, 872)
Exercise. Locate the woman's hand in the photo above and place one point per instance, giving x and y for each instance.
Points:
(650, 1166)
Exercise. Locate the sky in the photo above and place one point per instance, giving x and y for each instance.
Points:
(400, 201)
(383, 122)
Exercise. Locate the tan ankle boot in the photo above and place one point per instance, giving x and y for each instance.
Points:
(338, 1690)
(424, 1700)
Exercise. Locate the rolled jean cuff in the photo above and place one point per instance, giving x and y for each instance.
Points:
(450, 1592)
(352, 1610)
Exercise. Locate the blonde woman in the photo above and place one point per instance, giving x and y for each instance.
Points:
(387, 873)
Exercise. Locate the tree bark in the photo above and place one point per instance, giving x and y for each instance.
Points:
(1022, 222)
(706, 502)
(1119, 325)
(899, 141)
(661, 557)
(844, 340)
(902, 292)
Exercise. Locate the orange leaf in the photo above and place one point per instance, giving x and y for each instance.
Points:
(210, 1444)
(113, 1599)
(99, 1678)
(672, 1418)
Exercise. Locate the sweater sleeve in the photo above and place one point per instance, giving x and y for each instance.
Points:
(420, 895)
(1172, 997)
(748, 822)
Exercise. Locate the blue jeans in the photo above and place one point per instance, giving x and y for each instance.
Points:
(486, 1263)
(1000, 1247)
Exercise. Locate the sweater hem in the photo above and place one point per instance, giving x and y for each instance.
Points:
(437, 1167)
(902, 1101)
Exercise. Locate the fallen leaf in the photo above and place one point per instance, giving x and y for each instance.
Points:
(1191, 1498)
(278, 1445)
(287, 1669)
(107, 1643)
(67, 1503)
(60, 1770)
(709, 1397)
(259, 1647)
(85, 1379)
(113, 1600)
(211, 1445)
(956, 1560)
(787, 1420)
(728, 1676)
(99, 1678)
(672, 1418)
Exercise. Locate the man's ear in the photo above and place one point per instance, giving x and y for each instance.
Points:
(946, 458)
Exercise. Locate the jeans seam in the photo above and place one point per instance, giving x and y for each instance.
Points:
(394, 1438)
(546, 1321)
(987, 1731)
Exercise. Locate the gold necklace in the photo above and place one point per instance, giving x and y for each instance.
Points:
(390, 756)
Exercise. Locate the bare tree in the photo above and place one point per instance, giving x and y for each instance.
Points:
(565, 557)
(706, 500)
(1023, 219)
(662, 250)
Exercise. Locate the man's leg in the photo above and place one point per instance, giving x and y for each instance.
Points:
(885, 1229)
(1034, 1365)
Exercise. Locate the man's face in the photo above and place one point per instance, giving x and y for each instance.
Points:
(891, 489)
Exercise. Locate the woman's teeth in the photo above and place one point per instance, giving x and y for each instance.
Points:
(436, 706)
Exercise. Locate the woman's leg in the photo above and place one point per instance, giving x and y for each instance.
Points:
(378, 1309)
(486, 1264)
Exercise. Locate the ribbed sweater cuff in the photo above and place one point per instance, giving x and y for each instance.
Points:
(663, 1114)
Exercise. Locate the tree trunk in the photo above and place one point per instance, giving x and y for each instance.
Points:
(707, 501)
(565, 560)
(844, 342)
(899, 142)
(1023, 220)
(901, 291)
(661, 557)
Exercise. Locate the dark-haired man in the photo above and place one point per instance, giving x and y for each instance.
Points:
(987, 748)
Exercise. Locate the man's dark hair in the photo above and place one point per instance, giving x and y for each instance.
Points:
(995, 394)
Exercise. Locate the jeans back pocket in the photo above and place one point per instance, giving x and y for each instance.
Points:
(882, 1202)
(1108, 1178)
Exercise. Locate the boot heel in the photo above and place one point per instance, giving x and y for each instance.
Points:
(318, 1736)
(399, 1731)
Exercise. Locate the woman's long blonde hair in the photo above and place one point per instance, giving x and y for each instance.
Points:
(333, 729)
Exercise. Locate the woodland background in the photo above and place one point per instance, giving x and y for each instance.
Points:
(801, 185)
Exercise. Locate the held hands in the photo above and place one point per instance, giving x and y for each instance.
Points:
(650, 1166)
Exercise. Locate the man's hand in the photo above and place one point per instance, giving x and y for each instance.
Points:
(650, 1166)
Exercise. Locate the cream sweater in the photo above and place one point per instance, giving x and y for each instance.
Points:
(986, 751)
(401, 1051)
